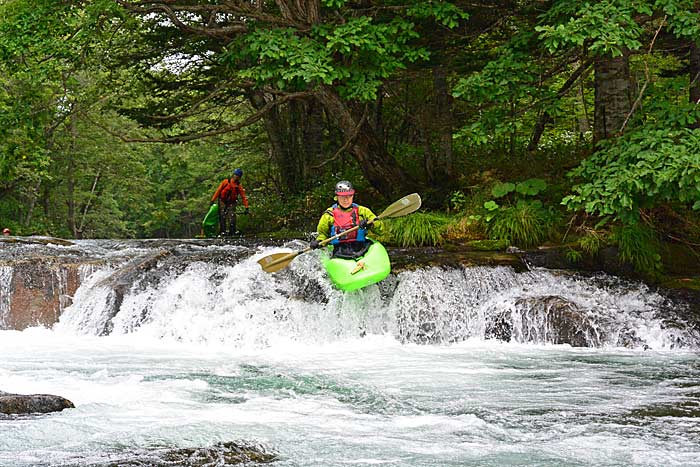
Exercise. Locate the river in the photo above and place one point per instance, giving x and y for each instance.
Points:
(201, 350)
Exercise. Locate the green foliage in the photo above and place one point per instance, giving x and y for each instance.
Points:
(531, 187)
(418, 229)
(445, 13)
(639, 246)
(526, 224)
(591, 242)
(500, 190)
(491, 206)
(510, 80)
(643, 169)
(487, 245)
(356, 55)
(458, 201)
(573, 256)
(607, 27)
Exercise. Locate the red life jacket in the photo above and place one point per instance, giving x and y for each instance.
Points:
(344, 220)
(230, 191)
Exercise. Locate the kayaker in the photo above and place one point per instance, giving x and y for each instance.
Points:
(342, 216)
(6, 232)
(227, 196)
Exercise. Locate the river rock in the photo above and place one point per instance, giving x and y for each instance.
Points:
(38, 240)
(32, 403)
(220, 454)
(40, 289)
(551, 319)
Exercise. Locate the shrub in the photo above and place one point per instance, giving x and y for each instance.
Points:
(591, 242)
(640, 170)
(638, 246)
(573, 256)
(526, 224)
(418, 229)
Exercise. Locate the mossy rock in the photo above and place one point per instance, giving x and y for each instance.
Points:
(691, 283)
(487, 245)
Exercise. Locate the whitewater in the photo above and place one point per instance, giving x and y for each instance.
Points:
(203, 351)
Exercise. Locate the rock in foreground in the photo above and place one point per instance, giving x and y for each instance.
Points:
(32, 403)
(220, 454)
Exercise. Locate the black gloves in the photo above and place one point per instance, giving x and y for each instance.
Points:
(246, 211)
(363, 224)
(313, 244)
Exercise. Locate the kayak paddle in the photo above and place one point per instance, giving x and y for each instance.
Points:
(402, 207)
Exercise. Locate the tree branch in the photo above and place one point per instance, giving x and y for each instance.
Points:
(646, 75)
(348, 142)
(205, 134)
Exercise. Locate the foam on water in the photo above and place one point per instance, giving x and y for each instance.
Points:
(239, 304)
(5, 282)
(407, 372)
(353, 401)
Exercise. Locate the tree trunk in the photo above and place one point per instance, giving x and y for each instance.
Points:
(545, 118)
(32, 203)
(70, 196)
(613, 97)
(295, 134)
(438, 159)
(72, 218)
(695, 78)
(377, 165)
(312, 135)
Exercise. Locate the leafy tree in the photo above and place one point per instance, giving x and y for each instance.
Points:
(280, 61)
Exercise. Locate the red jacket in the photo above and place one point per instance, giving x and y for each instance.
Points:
(228, 192)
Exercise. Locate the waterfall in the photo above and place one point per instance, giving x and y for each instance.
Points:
(237, 304)
(5, 283)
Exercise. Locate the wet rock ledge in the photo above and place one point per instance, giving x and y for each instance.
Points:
(220, 454)
(15, 404)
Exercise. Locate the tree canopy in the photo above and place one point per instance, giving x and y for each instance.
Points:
(119, 117)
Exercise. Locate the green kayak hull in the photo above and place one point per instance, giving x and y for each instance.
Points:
(368, 269)
(210, 224)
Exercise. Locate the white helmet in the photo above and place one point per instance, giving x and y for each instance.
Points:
(344, 188)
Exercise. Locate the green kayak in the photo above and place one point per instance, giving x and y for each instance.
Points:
(353, 274)
(210, 224)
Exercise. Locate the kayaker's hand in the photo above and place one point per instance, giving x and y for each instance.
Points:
(313, 244)
(363, 224)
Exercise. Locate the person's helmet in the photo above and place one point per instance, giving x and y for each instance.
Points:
(238, 172)
(344, 188)
(6, 231)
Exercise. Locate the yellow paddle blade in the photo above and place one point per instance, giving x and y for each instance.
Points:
(406, 205)
(277, 261)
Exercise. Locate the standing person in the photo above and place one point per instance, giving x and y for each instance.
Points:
(227, 197)
(342, 216)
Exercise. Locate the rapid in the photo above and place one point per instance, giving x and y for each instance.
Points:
(432, 367)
